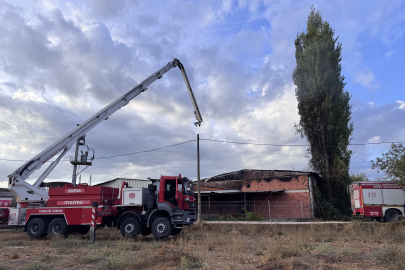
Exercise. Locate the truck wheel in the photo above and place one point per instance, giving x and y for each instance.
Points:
(161, 228)
(130, 227)
(146, 231)
(58, 227)
(176, 231)
(392, 215)
(36, 228)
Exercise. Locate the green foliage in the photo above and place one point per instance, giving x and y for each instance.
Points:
(252, 216)
(392, 163)
(324, 109)
(360, 177)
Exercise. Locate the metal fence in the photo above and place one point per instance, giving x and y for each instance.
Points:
(266, 208)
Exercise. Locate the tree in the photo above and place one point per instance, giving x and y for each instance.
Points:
(392, 163)
(323, 106)
(360, 177)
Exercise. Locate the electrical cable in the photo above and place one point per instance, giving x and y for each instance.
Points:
(242, 143)
(269, 144)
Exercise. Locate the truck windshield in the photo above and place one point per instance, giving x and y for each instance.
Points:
(188, 186)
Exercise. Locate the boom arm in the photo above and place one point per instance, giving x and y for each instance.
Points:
(26, 192)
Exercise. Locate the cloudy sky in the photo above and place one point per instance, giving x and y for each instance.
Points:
(62, 61)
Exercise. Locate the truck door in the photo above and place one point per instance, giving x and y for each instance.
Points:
(180, 193)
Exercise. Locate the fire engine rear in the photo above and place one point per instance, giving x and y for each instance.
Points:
(377, 200)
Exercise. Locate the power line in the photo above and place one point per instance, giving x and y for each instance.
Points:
(127, 154)
(242, 143)
(269, 144)
(146, 151)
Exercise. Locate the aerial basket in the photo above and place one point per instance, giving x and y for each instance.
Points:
(85, 158)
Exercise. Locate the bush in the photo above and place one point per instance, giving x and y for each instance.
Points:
(252, 216)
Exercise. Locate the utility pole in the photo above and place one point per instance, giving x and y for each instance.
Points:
(198, 179)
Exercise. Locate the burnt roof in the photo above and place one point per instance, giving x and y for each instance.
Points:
(250, 174)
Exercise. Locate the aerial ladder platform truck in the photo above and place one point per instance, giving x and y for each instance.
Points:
(162, 209)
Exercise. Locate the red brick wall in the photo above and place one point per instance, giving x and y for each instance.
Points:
(295, 183)
(290, 205)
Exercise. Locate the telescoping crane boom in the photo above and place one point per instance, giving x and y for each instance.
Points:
(26, 192)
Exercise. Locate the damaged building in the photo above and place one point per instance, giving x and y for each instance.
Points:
(274, 194)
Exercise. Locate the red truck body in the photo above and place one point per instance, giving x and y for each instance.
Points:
(73, 205)
(377, 200)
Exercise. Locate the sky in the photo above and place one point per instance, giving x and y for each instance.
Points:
(63, 61)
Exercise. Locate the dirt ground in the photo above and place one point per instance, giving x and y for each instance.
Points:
(354, 245)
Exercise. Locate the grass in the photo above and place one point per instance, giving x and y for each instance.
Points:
(17, 243)
(115, 260)
(355, 245)
(34, 266)
(187, 263)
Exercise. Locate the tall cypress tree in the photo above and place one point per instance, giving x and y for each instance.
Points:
(323, 106)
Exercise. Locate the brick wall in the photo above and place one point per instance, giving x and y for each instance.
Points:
(285, 204)
(294, 183)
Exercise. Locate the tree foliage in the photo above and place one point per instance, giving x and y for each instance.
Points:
(323, 106)
(360, 177)
(392, 163)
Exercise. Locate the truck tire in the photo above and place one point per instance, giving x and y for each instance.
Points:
(58, 227)
(176, 231)
(130, 227)
(161, 228)
(36, 228)
(392, 215)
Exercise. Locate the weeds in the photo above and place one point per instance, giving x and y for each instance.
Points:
(87, 260)
(187, 263)
(17, 243)
(69, 243)
(115, 260)
(15, 256)
(128, 244)
(34, 266)
(50, 258)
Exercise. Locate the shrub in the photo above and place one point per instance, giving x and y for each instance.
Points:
(252, 216)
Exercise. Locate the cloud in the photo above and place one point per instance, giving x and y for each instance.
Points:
(61, 62)
(366, 78)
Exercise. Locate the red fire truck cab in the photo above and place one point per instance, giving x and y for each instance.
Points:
(382, 201)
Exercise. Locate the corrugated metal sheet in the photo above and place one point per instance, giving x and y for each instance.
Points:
(117, 183)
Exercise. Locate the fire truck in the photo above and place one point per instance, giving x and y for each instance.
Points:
(162, 209)
(382, 201)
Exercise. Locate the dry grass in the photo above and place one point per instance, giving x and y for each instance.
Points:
(211, 246)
